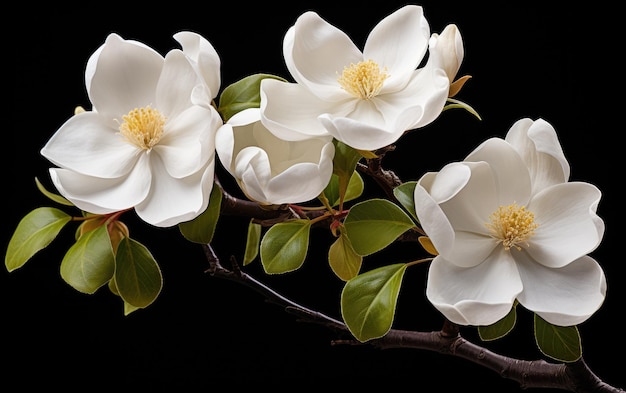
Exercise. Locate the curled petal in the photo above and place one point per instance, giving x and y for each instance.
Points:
(204, 55)
(476, 296)
(566, 296)
(568, 224)
(538, 145)
(101, 196)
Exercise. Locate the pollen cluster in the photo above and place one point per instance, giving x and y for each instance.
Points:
(143, 127)
(363, 80)
(512, 225)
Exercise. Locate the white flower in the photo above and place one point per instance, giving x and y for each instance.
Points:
(268, 169)
(508, 225)
(148, 142)
(365, 99)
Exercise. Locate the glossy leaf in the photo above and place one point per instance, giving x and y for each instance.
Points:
(243, 94)
(404, 193)
(90, 262)
(561, 343)
(354, 189)
(368, 301)
(252, 243)
(34, 232)
(202, 228)
(374, 224)
(284, 246)
(344, 165)
(500, 328)
(344, 262)
(54, 197)
(137, 274)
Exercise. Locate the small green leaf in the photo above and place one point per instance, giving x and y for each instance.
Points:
(243, 94)
(137, 275)
(374, 224)
(284, 246)
(404, 193)
(33, 233)
(202, 228)
(344, 262)
(561, 343)
(462, 105)
(368, 301)
(54, 197)
(90, 262)
(500, 328)
(354, 190)
(252, 243)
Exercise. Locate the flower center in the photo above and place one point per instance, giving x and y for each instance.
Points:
(143, 127)
(363, 80)
(512, 225)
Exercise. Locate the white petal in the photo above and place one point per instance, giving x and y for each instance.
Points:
(125, 77)
(476, 296)
(566, 296)
(398, 43)
(428, 88)
(510, 172)
(290, 112)
(359, 134)
(176, 85)
(568, 224)
(446, 50)
(172, 201)
(99, 195)
(88, 145)
(316, 53)
(204, 54)
(537, 143)
(188, 141)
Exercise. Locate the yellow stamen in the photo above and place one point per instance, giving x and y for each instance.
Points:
(363, 80)
(512, 225)
(143, 127)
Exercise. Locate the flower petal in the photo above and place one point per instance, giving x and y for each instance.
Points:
(290, 111)
(171, 200)
(316, 53)
(568, 224)
(205, 56)
(566, 296)
(510, 172)
(537, 143)
(87, 144)
(125, 74)
(398, 43)
(481, 295)
(101, 195)
(188, 141)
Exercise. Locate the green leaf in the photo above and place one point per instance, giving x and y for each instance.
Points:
(344, 262)
(404, 193)
(561, 343)
(252, 243)
(137, 274)
(500, 328)
(90, 262)
(344, 165)
(462, 105)
(243, 94)
(284, 246)
(374, 224)
(354, 190)
(54, 197)
(368, 301)
(34, 232)
(202, 228)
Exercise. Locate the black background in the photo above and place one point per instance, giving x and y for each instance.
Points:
(526, 60)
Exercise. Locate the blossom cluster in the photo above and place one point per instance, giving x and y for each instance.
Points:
(506, 225)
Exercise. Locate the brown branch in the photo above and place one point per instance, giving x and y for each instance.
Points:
(575, 377)
(386, 179)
